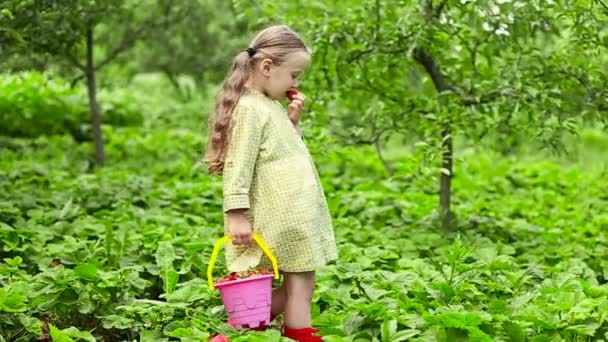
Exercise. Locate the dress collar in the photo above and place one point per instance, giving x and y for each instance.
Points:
(257, 93)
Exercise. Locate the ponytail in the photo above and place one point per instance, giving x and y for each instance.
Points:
(220, 122)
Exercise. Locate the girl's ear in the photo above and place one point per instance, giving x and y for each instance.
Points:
(265, 66)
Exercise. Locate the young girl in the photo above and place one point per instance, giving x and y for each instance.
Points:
(271, 185)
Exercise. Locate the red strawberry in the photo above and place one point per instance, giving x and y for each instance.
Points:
(219, 338)
(263, 271)
(291, 94)
(251, 274)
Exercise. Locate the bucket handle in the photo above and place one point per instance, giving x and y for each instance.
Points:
(226, 239)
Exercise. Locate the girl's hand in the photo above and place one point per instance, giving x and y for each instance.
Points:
(239, 227)
(294, 108)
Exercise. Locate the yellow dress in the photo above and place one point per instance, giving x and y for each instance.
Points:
(269, 170)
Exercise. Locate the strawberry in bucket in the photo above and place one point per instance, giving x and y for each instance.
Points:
(246, 295)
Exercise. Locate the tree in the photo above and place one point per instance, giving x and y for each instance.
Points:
(431, 69)
(194, 38)
(70, 32)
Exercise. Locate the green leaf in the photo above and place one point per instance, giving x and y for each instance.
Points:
(15, 262)
(87, 272)
(66, 209)
(404, 335)
(459, 320)
(165, 255)
(118, 322)
(476, 335)
(152, 336)
(79, 335)
(171, 281)
(12, 301)
(58, 335)
(513, 332)
(31, 324)
(85, 303)
(389, 327)
(189, 334)
(584, 329)
(136, 281)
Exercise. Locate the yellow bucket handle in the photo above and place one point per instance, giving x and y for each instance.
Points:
(226, 239)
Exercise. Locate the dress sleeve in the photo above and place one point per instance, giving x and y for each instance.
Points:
(243, 151)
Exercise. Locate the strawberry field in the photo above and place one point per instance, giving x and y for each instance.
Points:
(120, 253)
(462, 146)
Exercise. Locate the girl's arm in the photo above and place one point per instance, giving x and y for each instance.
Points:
(294, 109)
(239, 227)
(238, 172)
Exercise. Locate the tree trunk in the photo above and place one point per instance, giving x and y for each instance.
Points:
(45, 335)
(388, 166)
(445, 179)
(93, 105)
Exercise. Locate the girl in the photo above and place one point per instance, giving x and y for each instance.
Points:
(271, 185)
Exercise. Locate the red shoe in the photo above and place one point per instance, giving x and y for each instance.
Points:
(303, 335)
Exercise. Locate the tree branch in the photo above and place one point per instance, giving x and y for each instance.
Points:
(426, 60)
(377, 20)
(603, 4)
(76, 80)
(72, 59)
(388, 166)
(129, 39)
(126, 43)
(485, 98)
(440, 8)
(375, 88)
(352, 139)
(358, 54)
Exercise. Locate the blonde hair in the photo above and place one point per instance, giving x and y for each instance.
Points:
(274, 43)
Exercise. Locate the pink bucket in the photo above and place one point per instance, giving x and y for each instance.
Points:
(247, 301)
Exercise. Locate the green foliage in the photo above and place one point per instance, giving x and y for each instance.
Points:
(502, 70)
(197, 38)
(122, 254)
(36, 104)
(176, 38)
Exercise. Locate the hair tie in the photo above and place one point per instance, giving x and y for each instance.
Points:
(251, 51)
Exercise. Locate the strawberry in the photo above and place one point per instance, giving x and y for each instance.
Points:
(219, 338)
(291, 94)
(263, 271)
(225, 279)
(251, 274)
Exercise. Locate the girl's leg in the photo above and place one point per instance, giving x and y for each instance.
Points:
(299, 289)
(279, 298)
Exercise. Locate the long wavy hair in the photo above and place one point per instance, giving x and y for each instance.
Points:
(274, 43)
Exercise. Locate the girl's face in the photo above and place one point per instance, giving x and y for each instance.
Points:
(281, 78)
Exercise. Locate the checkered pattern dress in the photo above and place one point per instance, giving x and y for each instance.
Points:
(269, 170)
